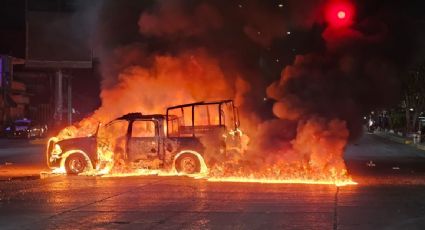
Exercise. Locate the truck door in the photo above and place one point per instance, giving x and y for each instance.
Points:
(143, 143)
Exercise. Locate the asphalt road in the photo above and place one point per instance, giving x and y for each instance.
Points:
(370, 158)
(22, 158)
(22, 151)
(378, 160)
(390, 195)
(184, 203)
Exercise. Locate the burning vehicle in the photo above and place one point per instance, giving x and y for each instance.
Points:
(184, 139)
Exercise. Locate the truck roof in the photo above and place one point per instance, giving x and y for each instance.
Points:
(133, 116)
(200, 103)
(139, 115)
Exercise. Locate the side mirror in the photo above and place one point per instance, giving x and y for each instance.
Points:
(97, 129)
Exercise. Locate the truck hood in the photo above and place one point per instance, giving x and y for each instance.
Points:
(77, 143)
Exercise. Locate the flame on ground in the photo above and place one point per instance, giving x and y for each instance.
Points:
(279, 181)
(248, 179)
(314, 156)
(232, 170)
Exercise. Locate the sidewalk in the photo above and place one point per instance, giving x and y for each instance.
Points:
(399, 139)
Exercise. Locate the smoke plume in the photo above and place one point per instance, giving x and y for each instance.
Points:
(171, 52)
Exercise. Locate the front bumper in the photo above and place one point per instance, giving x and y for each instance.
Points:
(53, 161)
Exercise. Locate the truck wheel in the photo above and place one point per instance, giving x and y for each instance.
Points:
(75, 163)
(188, 163)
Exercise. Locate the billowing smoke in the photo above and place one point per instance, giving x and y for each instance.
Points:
(358, 71)
(299, 120)
(170, 80)
(171, 19)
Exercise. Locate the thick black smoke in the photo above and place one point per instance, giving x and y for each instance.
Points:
(360, 70)
(330, 73)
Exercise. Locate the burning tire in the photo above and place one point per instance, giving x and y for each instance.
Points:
(188, 163)
(75, 163)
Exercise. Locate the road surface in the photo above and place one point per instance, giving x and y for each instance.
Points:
(21, 158)
(184, 203)
(390, 195)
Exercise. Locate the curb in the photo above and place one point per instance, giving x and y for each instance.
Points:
(399, 140)
(40, 141)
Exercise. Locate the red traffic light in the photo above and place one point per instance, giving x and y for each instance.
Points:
(340, 13)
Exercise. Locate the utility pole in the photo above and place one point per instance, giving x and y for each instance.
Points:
(58, 97)
(69, 100)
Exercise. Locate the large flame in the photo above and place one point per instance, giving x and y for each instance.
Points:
(314, 155)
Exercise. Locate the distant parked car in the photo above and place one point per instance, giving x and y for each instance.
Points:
(25, 128)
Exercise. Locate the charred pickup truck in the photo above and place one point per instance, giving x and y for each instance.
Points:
(185, 139)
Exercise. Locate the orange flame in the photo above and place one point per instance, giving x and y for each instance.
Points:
(314, 156)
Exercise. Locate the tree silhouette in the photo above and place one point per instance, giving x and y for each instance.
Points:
(414, 96)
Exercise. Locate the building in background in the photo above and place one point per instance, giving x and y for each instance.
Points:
(14, 99)
(52, 39)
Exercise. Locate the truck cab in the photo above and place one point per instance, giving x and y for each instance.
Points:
(183, 139)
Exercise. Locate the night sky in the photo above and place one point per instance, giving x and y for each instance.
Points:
(116, 26)
(12, 19)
